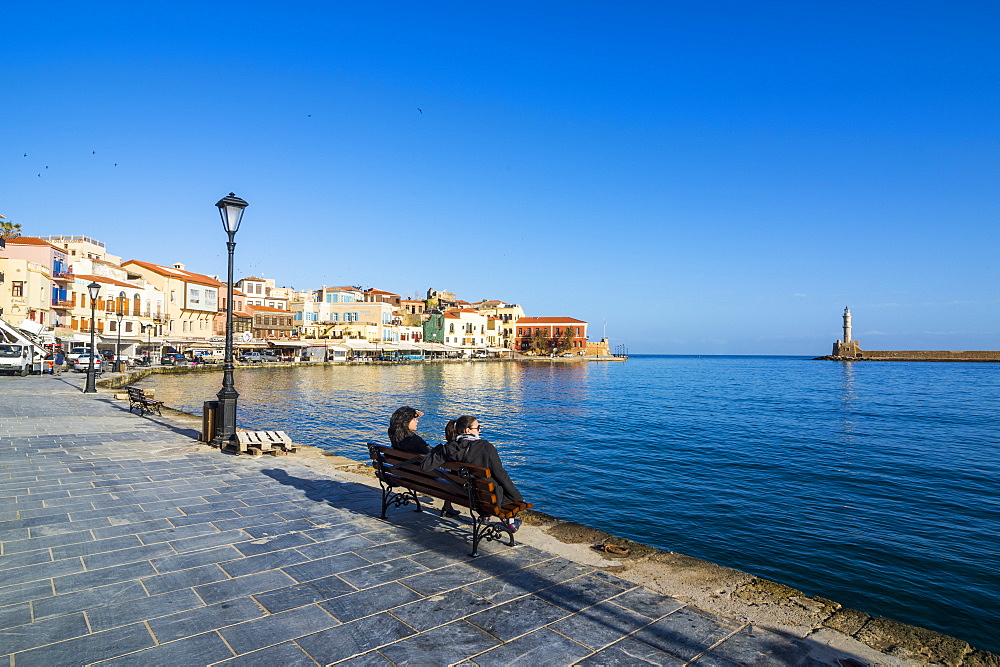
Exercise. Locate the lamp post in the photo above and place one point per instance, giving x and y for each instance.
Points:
(94, 289)
(120, 313)
(149, 343)
(231, 210)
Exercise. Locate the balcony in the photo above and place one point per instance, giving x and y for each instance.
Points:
(65, 305)
(63, 275)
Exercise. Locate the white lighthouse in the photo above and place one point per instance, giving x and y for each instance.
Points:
(847, 325)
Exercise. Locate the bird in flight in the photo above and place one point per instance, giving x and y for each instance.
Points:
(25, 155)
(93, 152)
(420, 110)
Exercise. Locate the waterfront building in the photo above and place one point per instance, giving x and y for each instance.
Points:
(465, 328)
(507, 314)
(373, 295)
(263, 292)
(190, 300)
(83, 247)
(270, 323)
(35, 278)
(554, 329)
(242, 317)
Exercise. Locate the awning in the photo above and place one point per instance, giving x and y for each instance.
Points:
(357, 344)
(294, 343)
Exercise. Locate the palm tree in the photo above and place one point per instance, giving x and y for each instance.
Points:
(9, 230)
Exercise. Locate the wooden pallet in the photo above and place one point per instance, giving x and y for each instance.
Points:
(264, 441)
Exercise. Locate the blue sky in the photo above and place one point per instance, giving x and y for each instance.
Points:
(704, 177)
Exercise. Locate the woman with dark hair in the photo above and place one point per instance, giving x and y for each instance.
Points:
(403, 436)
(402, 431)
(465, 445)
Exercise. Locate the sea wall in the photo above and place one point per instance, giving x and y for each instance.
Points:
(853, 352)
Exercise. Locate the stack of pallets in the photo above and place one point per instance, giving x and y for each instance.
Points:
(260, 442)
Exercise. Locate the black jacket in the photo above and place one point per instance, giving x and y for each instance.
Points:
(469, 449)
(412, 443)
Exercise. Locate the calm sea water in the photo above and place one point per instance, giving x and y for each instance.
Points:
(872, 484)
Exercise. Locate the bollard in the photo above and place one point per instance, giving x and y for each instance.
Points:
(209, 421)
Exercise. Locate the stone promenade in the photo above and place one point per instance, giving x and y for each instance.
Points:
(125, 541)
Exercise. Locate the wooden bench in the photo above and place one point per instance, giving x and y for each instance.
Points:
(458, 483)
(263, 441)
(137, 399)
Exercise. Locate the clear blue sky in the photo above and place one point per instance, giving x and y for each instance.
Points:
(706, 177)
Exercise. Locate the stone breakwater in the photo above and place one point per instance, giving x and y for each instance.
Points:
(724, 591)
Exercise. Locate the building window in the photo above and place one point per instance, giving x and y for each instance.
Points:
(17, 288)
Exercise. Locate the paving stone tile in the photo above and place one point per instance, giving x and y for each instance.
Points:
(164, 532)
(369, 601)
(194, 559)
(138, 527)
(214, 506)
(198, 650)
(276, 543)
(443, 579)
(34, 590)
(196, 621)
(23, 575)
(195, 576)
(188, 519)
(392, 550)
(542, 647)
(280, 528)
(579, 593)
(248, 521)
(309, 592)
(208, 540)
(89, 648)
(123, 556)
(601, 625)
(648, 603)
(440, 609)
(510, 585)
(287, 654)
(686, 633)
(361, 636)
(112, 615)
(630, 652)
(96, 578)
(379, 573)
(32, 521)
(517, 617)
(759, 648)
(623, 584)
(266, 561)
(95, 546)
(447, 644)
(145, 515)
(324, 567)
(39, 633)
(35, 543)
(333, 547)
(242, 586)
(25, 558)
(323, 533)
(14, 534)
(15, 614)
(254, 635)
(560, 569)
(89, 598)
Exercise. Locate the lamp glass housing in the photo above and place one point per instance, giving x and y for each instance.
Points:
(231, 209)
(95, 290)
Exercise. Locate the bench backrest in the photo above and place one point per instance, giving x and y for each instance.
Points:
(451, 482)
(135, 392)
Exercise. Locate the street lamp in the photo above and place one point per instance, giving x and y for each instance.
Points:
(231, 210)
(94, 289)
(120, 311)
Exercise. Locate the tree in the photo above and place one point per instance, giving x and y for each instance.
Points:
(540, 341)
(9, 230)
(566, 342)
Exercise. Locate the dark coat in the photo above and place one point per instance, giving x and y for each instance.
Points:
(412, 443)
(470, 449)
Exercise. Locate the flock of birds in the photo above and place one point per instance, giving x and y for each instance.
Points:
(47, 166)
(116, 164)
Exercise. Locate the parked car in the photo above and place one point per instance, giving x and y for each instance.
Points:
(82, 363)
(252, 358)
(75, 352)
(173, 359)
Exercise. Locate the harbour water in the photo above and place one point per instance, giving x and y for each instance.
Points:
(872, 484)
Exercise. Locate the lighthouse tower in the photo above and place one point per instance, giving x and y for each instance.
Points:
(847, 348)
